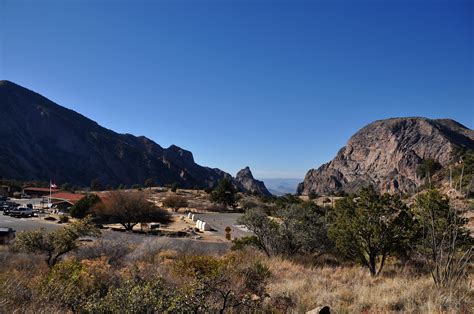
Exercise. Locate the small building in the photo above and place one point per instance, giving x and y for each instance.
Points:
(38, 192)
(63, 200)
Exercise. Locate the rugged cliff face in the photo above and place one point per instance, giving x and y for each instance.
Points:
(387, 153)
(40, 140)
(246, 182)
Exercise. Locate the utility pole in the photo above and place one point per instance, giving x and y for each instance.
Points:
(460, 179)
(450, 177)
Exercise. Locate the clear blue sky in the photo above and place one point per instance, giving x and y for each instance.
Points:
(276, 85)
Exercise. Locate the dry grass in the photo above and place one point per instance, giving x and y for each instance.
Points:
(293, 287)
(352, 290)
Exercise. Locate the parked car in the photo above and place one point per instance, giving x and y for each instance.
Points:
(8, 207)
(6, 235)
(21, 212)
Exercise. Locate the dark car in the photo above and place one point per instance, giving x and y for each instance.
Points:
(8, 207)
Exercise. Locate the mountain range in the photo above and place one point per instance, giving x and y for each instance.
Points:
(41, 140)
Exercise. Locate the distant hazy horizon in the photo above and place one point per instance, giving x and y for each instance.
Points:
(279, 87)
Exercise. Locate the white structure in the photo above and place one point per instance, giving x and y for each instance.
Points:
(205, 226)
(193, 218)
(189, 215)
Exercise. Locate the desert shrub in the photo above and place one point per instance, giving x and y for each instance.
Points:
(249, 204)
(112, 251)
(173, 187)
(221, 284)
(242, 243)
(71, 283)
(300, 228)
(216, 208)
(268, 208)
(57, 243)
(286, 200)
(445, 243)
(175, 202)
(137, 296)
(64, 219)
(312, 195)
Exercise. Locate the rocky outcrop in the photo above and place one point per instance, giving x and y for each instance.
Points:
(386, 154)
(40, 140)
(246, 182)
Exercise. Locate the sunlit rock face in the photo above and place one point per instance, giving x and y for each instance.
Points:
(386, 154)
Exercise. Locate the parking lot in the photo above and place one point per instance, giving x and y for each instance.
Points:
(26, 224)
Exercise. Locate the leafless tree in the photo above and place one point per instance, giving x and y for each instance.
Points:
(130, 209)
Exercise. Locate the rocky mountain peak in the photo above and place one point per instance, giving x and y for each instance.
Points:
(245, 181)
(387, 153)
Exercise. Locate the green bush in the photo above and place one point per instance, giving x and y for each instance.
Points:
(84, 206)
(371, 227)
(241, 243)
(225, 193)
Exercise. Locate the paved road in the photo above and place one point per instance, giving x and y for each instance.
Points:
(219, 221)
(152, 242)
(26, 224)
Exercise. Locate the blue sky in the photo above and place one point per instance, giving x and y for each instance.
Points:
(276, 85)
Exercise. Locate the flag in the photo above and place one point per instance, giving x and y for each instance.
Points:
(52, 185)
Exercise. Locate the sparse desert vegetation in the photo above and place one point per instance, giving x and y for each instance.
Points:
(360, 256)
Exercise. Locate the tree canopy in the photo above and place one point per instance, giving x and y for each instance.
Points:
(130, 209)
(225, 193)
(371, 227)
(84, 206)
(56, 243)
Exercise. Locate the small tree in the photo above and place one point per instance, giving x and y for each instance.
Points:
(303, 229)
(66, 187)
(130, 209)
(149, 183)
(370, 228)
(427, 168)
(96, 185)
(265, 229)
(84, 206)
(445, 242)
(312, 195)
(300, 228)
(173, 187)
(175, 202)
(57, 243)
(225, 193)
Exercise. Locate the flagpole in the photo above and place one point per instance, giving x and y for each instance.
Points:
(50, 193)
